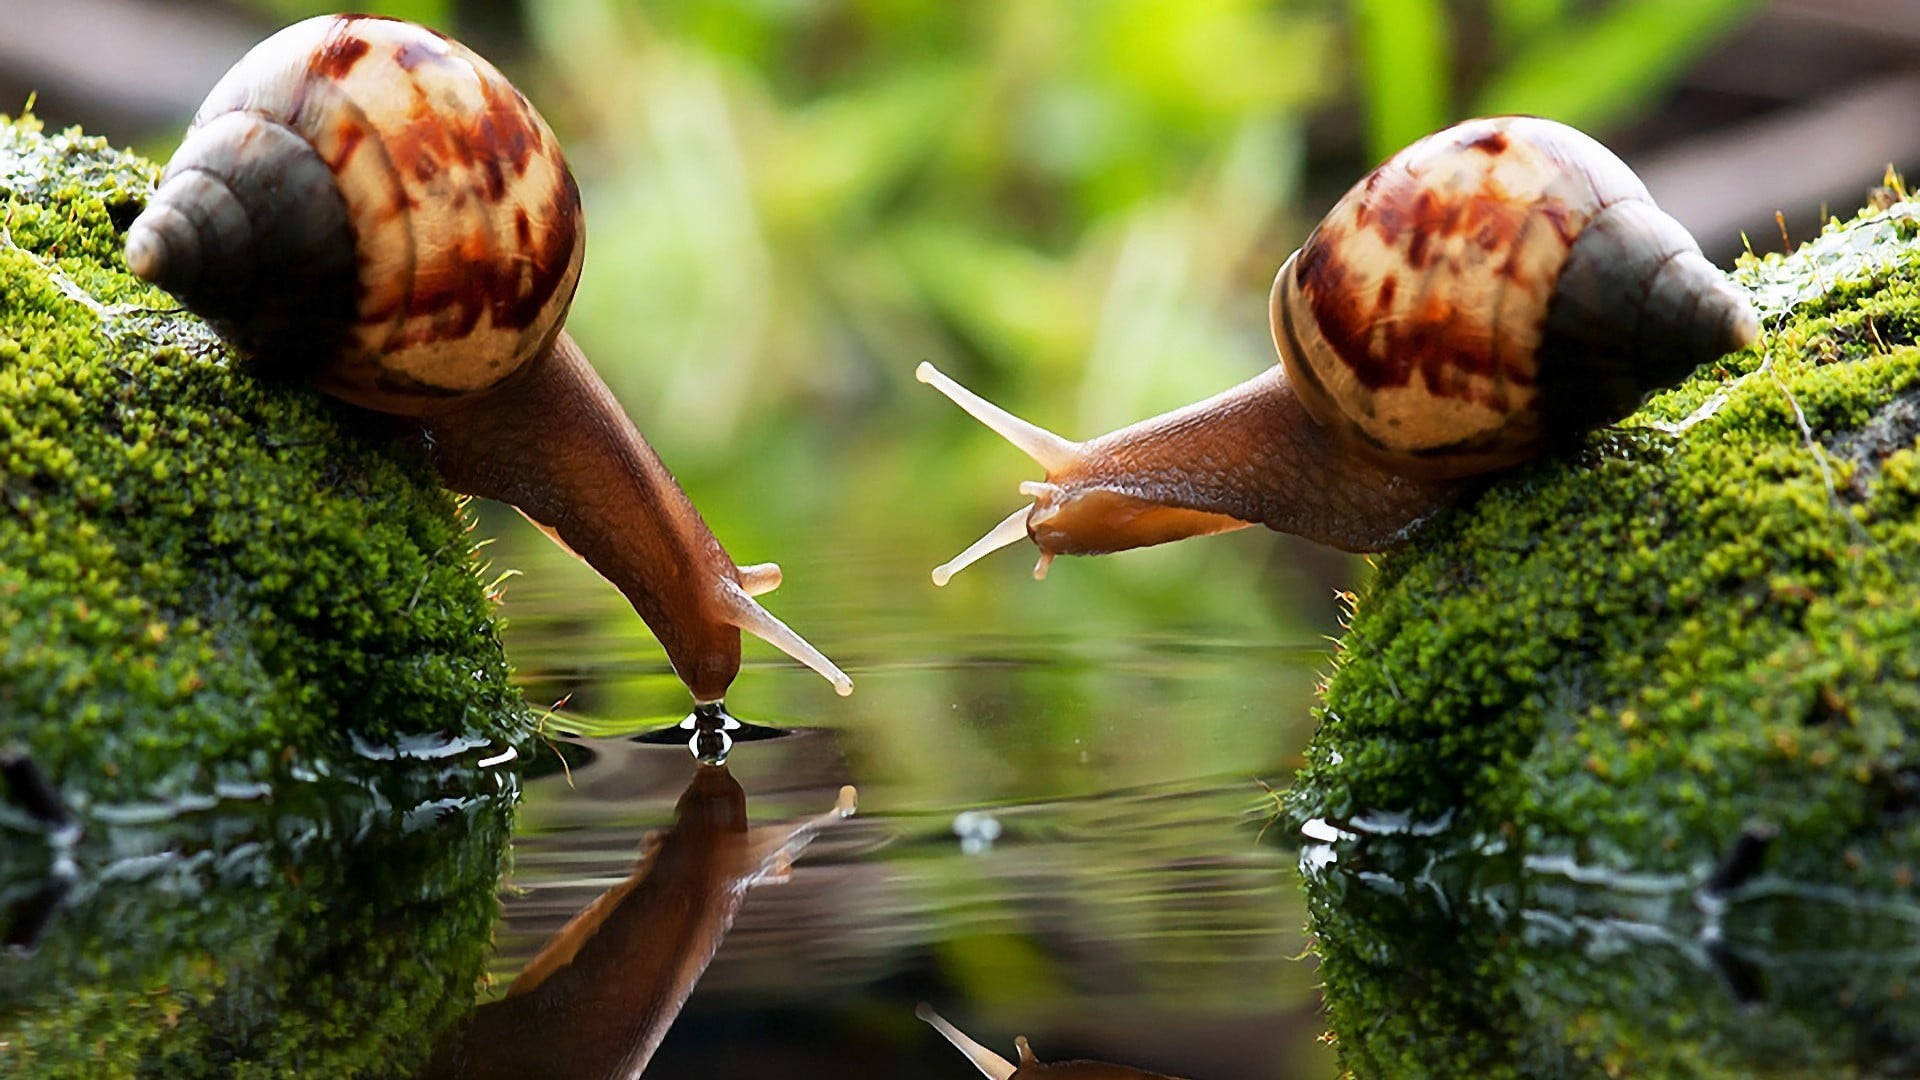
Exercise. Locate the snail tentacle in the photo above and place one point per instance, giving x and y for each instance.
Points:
(747, 615)
(759, 578)
(989, 1063)
(1011, 530)
(1049, 451)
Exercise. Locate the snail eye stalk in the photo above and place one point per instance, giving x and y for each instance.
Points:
(1011, 530)
(1050, 451)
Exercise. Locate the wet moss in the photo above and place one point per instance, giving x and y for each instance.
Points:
(1624, 658)
(206, 576)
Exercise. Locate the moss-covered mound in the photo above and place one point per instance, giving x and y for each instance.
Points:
(1710, 618)
(205, 577)
(242, 634)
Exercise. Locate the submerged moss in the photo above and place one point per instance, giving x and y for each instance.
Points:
(206, 577)
(330, 932)
(1625, 658)
(1463, 955)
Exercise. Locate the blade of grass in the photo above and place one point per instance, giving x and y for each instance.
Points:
(1594, 72)
(1404, 70)
(1515, 22)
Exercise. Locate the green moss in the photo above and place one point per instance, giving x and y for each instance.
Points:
(205, 576)
(1620, 659)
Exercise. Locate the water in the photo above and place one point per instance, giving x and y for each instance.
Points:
(1059, 835)
(1100, 740)
(1056, 837)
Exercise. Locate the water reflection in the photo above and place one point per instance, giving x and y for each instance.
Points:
(599, 996)
(993, 1065)
(1140, 925)
(1464, 954)
(1036, 861)
(319, 929)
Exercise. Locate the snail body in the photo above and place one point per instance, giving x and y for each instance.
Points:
(369, 205)
(1485, 296)
(1029, 1067)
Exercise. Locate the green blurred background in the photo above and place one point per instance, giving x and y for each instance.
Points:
(1076, 208)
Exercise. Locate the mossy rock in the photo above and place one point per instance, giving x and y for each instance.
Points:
(207, 577)
(1602, 673)
(243, 634)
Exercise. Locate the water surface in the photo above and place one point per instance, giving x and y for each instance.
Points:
(1058, 835)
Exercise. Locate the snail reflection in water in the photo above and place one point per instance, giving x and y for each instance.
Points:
(601, 994)
(366, 203)
(993, 1065)
(1486, 295)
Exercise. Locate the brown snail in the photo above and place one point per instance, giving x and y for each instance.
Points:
(367, 203)
(1484, 296)
(999, 1068)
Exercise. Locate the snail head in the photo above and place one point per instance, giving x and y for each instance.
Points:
(1095, 498)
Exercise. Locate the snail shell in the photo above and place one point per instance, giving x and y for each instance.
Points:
(367, 197)
(1494, 288)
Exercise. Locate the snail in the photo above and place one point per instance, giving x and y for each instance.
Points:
(1486, 295)
(999, 1068)
(370, 205)
(616, 975)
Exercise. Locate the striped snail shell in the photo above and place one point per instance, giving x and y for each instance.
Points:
(1486, 295)
(366, 203)
(375, 200)
(1493, 289)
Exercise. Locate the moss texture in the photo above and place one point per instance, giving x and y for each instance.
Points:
(206, 576)
(1622, 659)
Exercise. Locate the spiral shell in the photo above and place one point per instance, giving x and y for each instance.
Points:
(1494, 288)
(366, 198)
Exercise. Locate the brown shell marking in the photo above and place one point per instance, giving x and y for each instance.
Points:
(337, 58)
(1421, 299)
(466, 217)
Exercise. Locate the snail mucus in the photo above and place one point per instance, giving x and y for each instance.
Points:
(367, 204)
(1486, 295)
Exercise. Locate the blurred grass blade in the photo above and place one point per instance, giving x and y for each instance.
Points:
(845, 153)
(1593, 72)
(1405, 70)
(1515, 22)
(434, 13)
